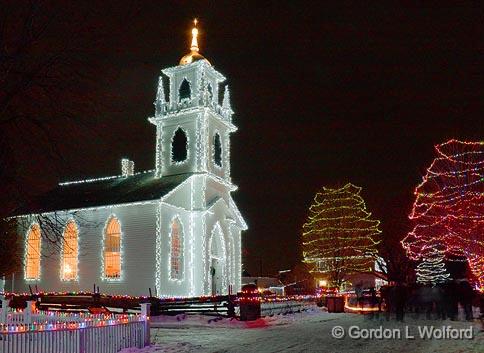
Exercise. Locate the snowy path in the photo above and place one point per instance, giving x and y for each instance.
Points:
(306, 332)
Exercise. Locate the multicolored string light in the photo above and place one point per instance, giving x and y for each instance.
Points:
(449, 206)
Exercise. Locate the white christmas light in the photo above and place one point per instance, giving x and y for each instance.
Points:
(201, 117)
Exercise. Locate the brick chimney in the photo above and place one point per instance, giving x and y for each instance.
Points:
(127, 167)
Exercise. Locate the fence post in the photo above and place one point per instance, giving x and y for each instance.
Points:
(28, 312)
(82, 340)
(4, 313)
(145, 313)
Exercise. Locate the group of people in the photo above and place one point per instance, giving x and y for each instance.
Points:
(436, 302)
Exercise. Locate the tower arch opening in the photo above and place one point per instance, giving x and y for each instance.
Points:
(179, 146)
(185, 91)
(217, 150)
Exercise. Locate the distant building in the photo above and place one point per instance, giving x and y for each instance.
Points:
(374, 278)
(265, 284)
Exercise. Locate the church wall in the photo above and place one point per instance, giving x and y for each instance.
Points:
(138, 227)
(236, 236)
(197, 250)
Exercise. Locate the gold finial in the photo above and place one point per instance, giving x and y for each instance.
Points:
(194, 46)
(194, 54)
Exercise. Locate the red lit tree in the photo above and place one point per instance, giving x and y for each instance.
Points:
(449, 207)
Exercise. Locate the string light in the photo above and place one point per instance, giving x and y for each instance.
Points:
(432, 268)
(201, 117)
(88, 321)
(121, 251)
(93, 180)
(449, 210)
(339, 236)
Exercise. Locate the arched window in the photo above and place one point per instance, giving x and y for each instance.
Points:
(32, 259)
(185, 91)
(217, 145)
(112, 249)
(179, 146)
(176, 250)
(70, 252)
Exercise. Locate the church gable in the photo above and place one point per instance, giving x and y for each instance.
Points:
(180, 196)
(229, 209)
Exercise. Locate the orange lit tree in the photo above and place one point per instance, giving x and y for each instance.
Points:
(340, 237)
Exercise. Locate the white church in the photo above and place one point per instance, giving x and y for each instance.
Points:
(174, 229)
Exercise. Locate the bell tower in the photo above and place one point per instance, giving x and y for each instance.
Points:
(192, 126)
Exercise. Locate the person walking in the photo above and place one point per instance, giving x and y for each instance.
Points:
(400, 300)
(466, 295)
(359, 294)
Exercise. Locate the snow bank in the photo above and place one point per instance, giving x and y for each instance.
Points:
(186, 321)
(165, 348)
(301, 332)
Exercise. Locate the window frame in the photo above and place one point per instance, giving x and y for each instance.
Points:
(75, 257)
(180, 259)
(104, 275)
(30, 231)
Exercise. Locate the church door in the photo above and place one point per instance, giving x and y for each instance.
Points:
(217, 262)
(217, 273)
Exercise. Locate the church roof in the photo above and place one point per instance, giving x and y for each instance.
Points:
(104, 192)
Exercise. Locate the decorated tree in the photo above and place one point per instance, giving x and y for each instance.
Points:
(432, 268)
(449, 207)
(339, 237)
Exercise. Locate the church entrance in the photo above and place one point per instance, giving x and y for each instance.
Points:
(217, 272)
(217, 262)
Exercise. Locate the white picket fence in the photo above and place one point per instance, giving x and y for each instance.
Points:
(275, 307)
(33, 331)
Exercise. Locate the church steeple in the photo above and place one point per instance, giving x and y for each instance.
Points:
(194, 46)
(194, 54)
(160, 98)
(193, 125)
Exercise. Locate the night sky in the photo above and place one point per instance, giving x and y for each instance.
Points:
(323, 94)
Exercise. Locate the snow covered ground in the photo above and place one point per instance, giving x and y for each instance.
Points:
(304, 332)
